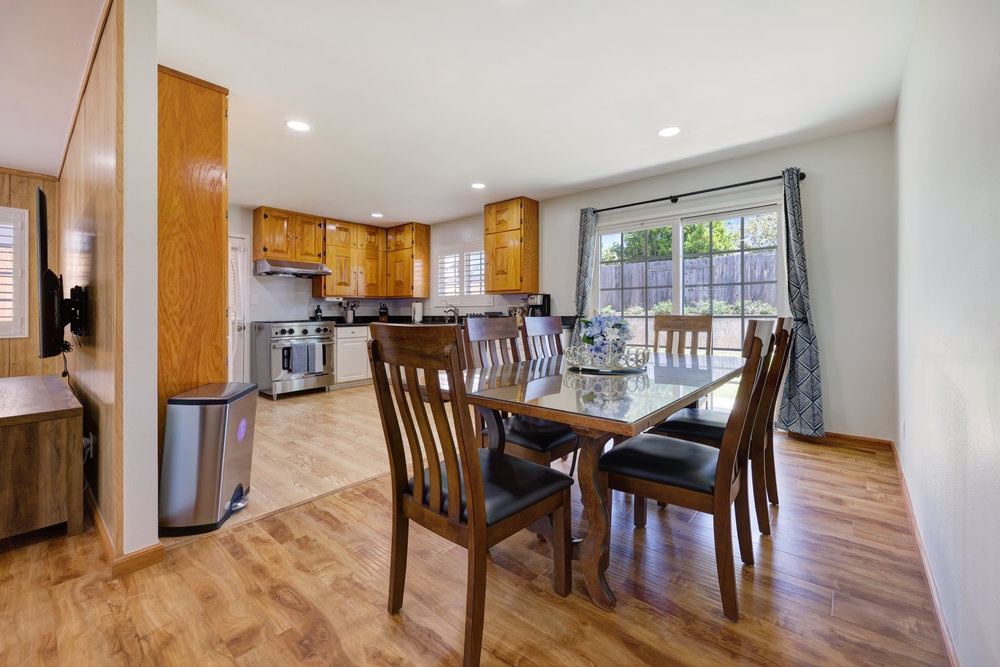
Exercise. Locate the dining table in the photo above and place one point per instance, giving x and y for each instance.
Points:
(600, 406)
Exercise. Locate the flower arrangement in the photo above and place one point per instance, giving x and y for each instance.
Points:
(599, 343)
(605, 334)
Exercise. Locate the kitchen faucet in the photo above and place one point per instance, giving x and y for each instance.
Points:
(453, 310)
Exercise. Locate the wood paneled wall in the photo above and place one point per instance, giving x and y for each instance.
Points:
(91, 254)
(19, 356)
(193, 242)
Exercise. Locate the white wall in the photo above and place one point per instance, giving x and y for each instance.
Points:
(849, 210)
(139, 237)
(949, 236)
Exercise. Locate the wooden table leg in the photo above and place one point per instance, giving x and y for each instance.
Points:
(594, 548)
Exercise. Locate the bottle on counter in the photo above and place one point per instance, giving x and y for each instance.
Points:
(318, 315)
(383, 312)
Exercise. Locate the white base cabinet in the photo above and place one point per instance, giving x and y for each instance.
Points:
(352, 355)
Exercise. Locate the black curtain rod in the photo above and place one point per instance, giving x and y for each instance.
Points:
(673, 198)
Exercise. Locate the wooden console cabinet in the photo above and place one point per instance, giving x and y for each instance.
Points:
(41, 455)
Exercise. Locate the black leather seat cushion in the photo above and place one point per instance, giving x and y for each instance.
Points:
(540, 435)
(664, 460)
(695, 423)
(510, 485)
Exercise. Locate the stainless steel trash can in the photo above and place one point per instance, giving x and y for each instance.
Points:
(207, 447)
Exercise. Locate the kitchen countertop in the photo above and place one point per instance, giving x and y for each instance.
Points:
(364, 320)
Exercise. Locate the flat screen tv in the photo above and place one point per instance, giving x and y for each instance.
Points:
(51, 319)
(54, 311)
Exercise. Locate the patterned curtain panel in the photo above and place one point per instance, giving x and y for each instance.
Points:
(802, 404)
(585, 265)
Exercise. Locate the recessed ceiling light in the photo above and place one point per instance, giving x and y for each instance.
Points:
(478, 186)
(376, 215)
(669, 132)
(298, 126)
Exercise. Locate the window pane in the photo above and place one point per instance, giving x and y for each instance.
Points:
(696, 239)
(661, 301)
(660, 272)
(726, 268)
(727, 299)
(661, 242)
(696, 271)
(633, 274)
(727, 333)
(637, 325)
(635, 244)
(611, 276)
(634, 301)
(611, 247)
(726, 235)
(761, 266)
(761, 299)
(697, 300)
(761, 231)
(611, 302)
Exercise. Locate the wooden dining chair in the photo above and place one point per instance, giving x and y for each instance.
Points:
(691, 333)
(541, 337)
(472, 496)
(709, 426)
(700, 477)
(492, 341)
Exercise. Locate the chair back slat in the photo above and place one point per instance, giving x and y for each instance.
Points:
(419, 385)
(772, 383)
(541, 336)
(687, 330)
(491, 341)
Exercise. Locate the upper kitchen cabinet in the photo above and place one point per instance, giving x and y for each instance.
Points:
(286, 235)
(510, 242)
(408, 250)
(356, 255)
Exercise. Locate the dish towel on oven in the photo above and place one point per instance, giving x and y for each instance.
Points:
(316, 357)
(300, 358)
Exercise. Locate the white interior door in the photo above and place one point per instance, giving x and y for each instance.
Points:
(237, 309)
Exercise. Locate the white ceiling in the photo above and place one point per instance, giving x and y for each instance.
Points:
(412, 101)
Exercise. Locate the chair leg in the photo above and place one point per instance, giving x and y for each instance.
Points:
(760, 493)
(561, 551)
(639, 511)
(743, 530)
(769, 472)
(475, 605)
(572, 465)
(397, 558)
(724, 563)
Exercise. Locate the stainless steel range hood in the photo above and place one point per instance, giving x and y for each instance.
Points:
(280, 267)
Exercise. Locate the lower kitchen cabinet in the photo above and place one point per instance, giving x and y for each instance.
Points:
(352, 355)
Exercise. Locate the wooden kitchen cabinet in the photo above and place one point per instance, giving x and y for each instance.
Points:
(355, 254)
(408, 249)
(510, 242)
(352, 355)
(287, 235)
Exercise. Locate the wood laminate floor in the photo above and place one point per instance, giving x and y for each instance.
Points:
(838, 583)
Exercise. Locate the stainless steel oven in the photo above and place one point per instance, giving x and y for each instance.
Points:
(292, 356)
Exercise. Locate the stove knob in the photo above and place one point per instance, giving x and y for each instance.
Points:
(305, 331)
(326, 329)
(318, 330)
(283, 332)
